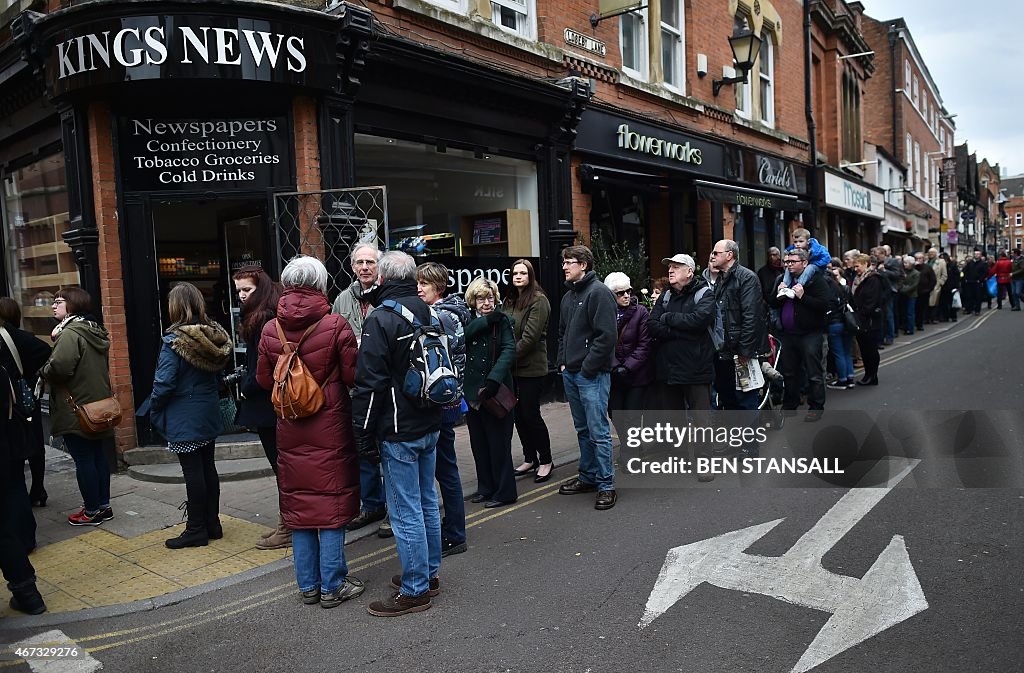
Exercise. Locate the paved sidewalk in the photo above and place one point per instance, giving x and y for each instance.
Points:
(123, 565)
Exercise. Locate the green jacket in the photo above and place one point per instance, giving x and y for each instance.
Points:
(79, 363)
(910, 283)
(1018, 269)
(531, 334)
(480, 351)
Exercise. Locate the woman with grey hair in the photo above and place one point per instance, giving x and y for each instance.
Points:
(317, 464)
(490, 356)
(632, 370)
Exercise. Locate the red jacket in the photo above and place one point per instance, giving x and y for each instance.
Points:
(317, 463)
(1001, 270)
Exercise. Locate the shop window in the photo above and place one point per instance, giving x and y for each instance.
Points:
(673, 55)
(766, 77)
(434, 190)
(39, 262)
(515, 16)
(633, 38)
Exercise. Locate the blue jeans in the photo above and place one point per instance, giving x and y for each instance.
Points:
(446, 471)
(371, 490)
(910, 304)
(1016, 290)
(92, 471)
(889, 309)
(840, 347)
(319, 558)
(588, 402)
(412, 501)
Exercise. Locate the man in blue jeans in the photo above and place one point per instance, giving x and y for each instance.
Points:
(395, 430)
(586, 348)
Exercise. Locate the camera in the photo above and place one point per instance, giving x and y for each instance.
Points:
(235, 376)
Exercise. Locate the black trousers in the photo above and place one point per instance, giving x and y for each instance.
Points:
(268, 438)
(803, 356)
(490, 439)
(533, 432)
(868, 342)
(971, 299)
(202, 485)
(14, 563)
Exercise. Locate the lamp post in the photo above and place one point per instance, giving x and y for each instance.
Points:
(745, 48)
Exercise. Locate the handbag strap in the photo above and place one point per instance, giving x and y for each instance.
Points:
(14, 350)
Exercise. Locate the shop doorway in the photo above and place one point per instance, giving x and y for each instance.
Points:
(203, 242)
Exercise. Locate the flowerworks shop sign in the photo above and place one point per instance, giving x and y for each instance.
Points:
(241, 153)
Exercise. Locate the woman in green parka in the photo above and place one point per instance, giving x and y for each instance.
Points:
(530, 311)
(490, 356)
(79, 369)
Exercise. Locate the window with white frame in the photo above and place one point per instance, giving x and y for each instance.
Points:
(914, 95)
(744, 95)
(633, 38)
(515, 16)
(908, 156)
(916, 167)
(1017, 245)
(673, 55)
(906, 75)
(766, 77)
(924, 106)
(457, 6)
(1016, 220)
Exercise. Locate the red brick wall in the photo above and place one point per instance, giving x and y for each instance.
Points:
(112, 288)
(307, 178)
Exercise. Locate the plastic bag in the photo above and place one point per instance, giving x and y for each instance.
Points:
(957, 303)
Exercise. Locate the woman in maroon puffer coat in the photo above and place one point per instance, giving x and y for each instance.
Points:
(317, 464)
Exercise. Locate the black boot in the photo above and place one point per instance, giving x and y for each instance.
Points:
(213, 528)
(195, 534)
(26, 598)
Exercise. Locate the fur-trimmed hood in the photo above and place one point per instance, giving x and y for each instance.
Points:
(205, 347)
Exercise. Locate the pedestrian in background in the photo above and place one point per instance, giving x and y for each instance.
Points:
(946, 311)
(183, 408)
(867, 303)
(924, 291)
(586, 350)
(1003, 271)
(938, 266)
(318, 469)
(401, 433)
(530, 311)
(490, 356)
(431, 283)
(632, 366)
(354, 304)
(14, 562)
(839, 337)
(1016, 279)
(259, 295)
(975, 274)
(770, 272)
(21, 357)
(908, 294)
(78, 372)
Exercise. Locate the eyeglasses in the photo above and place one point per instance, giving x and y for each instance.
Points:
(623, 293)
(792, 261)
(570, 262)
(59, 301)
(485, 300)
(718, 252)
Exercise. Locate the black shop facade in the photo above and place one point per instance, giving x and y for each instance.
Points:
(678, 191)
(153, 143)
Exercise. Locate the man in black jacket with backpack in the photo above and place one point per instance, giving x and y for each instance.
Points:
(405, 433)
(803, 319)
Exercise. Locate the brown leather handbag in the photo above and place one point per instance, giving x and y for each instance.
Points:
(504, 401)
(96, 417)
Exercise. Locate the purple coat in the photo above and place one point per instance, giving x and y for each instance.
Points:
(634, 348)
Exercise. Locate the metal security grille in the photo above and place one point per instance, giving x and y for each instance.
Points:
(327, 225)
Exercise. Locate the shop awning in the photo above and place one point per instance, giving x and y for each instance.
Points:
(591, 174)
(748, 196)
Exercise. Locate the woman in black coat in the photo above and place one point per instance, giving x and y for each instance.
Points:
(867, 304)
(259, 296)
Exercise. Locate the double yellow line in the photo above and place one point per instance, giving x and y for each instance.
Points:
(267, 596)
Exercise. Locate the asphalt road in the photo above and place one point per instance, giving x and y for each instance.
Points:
(550, 584)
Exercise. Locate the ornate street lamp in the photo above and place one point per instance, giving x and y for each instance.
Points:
(745, 48)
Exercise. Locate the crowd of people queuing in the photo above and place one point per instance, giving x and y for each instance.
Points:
(366, 451)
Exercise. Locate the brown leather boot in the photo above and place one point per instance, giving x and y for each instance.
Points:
(279, 539)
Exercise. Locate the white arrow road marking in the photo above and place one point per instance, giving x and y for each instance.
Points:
(888, 594)
(82, 662)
